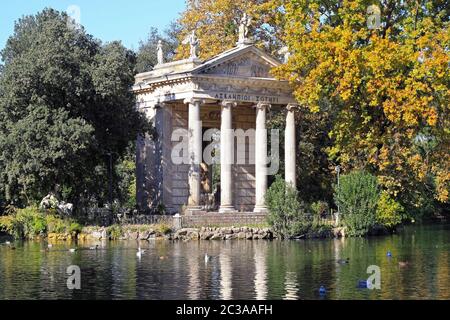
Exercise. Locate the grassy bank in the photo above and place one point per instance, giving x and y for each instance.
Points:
(31, 223)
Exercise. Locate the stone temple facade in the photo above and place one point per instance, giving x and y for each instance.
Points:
(186, 100)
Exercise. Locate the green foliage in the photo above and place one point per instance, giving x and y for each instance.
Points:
(74, 228)
(55, 224)
(25, 223)
(313, 170)
(161, 208)
(7, 224)
(126, 181)
(65, 106)
(114, 231)
(147, 53)
(319, 230)
(132, 202)
(286, 214)
(357, 198)
(164, 228)
(389, 212)
(319, 208)
(30, 222)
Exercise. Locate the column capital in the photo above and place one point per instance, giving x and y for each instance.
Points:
(193, 101)
(292, 107)
(263, 105)
(228, 103)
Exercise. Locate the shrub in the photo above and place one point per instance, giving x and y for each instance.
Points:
(389, 212)
(6, 224)
(55, 224)
(319, 209)
(357, 198)
(39, 226)
(74, 228)
(115, 232)
(164, 228)
(126, 182)
(30, 222)
(286, 213)
(161, 209)
(132, 202)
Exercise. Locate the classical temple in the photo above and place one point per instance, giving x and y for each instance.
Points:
(232, 93)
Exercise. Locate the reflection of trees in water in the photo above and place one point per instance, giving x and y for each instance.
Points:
(237, 270)
(443, 275)
(124, 273)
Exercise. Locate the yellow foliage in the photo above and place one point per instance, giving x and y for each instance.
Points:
(389, 87)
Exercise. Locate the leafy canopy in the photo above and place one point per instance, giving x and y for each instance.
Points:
(65, 106)
(388, 87)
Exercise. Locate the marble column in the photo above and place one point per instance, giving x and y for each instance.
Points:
(290, 146)
(195, 153)
(226, 157)
(261, 157)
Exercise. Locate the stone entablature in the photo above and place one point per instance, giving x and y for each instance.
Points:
(242, 73)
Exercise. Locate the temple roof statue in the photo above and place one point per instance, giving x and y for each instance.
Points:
(244, 26)
(160, 53)
(192, 40)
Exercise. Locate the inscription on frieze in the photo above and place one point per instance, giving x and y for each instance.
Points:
(245, 97)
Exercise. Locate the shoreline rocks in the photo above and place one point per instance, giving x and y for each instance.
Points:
(224, 233)
(153, 232)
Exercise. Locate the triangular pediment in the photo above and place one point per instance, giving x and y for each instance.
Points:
(247, 62)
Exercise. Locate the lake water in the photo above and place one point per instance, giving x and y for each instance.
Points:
(237, 269)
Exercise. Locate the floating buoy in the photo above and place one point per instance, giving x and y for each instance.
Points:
(362, 284)
(322, 290)
(389, 254)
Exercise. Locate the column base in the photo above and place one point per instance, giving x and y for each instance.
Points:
(260, 209)
(227, 209)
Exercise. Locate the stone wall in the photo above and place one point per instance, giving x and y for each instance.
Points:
(223, 219)
(225, 233)
(180, 187)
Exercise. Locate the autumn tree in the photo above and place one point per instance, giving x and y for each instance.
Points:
(387, 83)
(216, 23)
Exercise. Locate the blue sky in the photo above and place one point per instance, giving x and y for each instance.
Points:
(125, 20)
